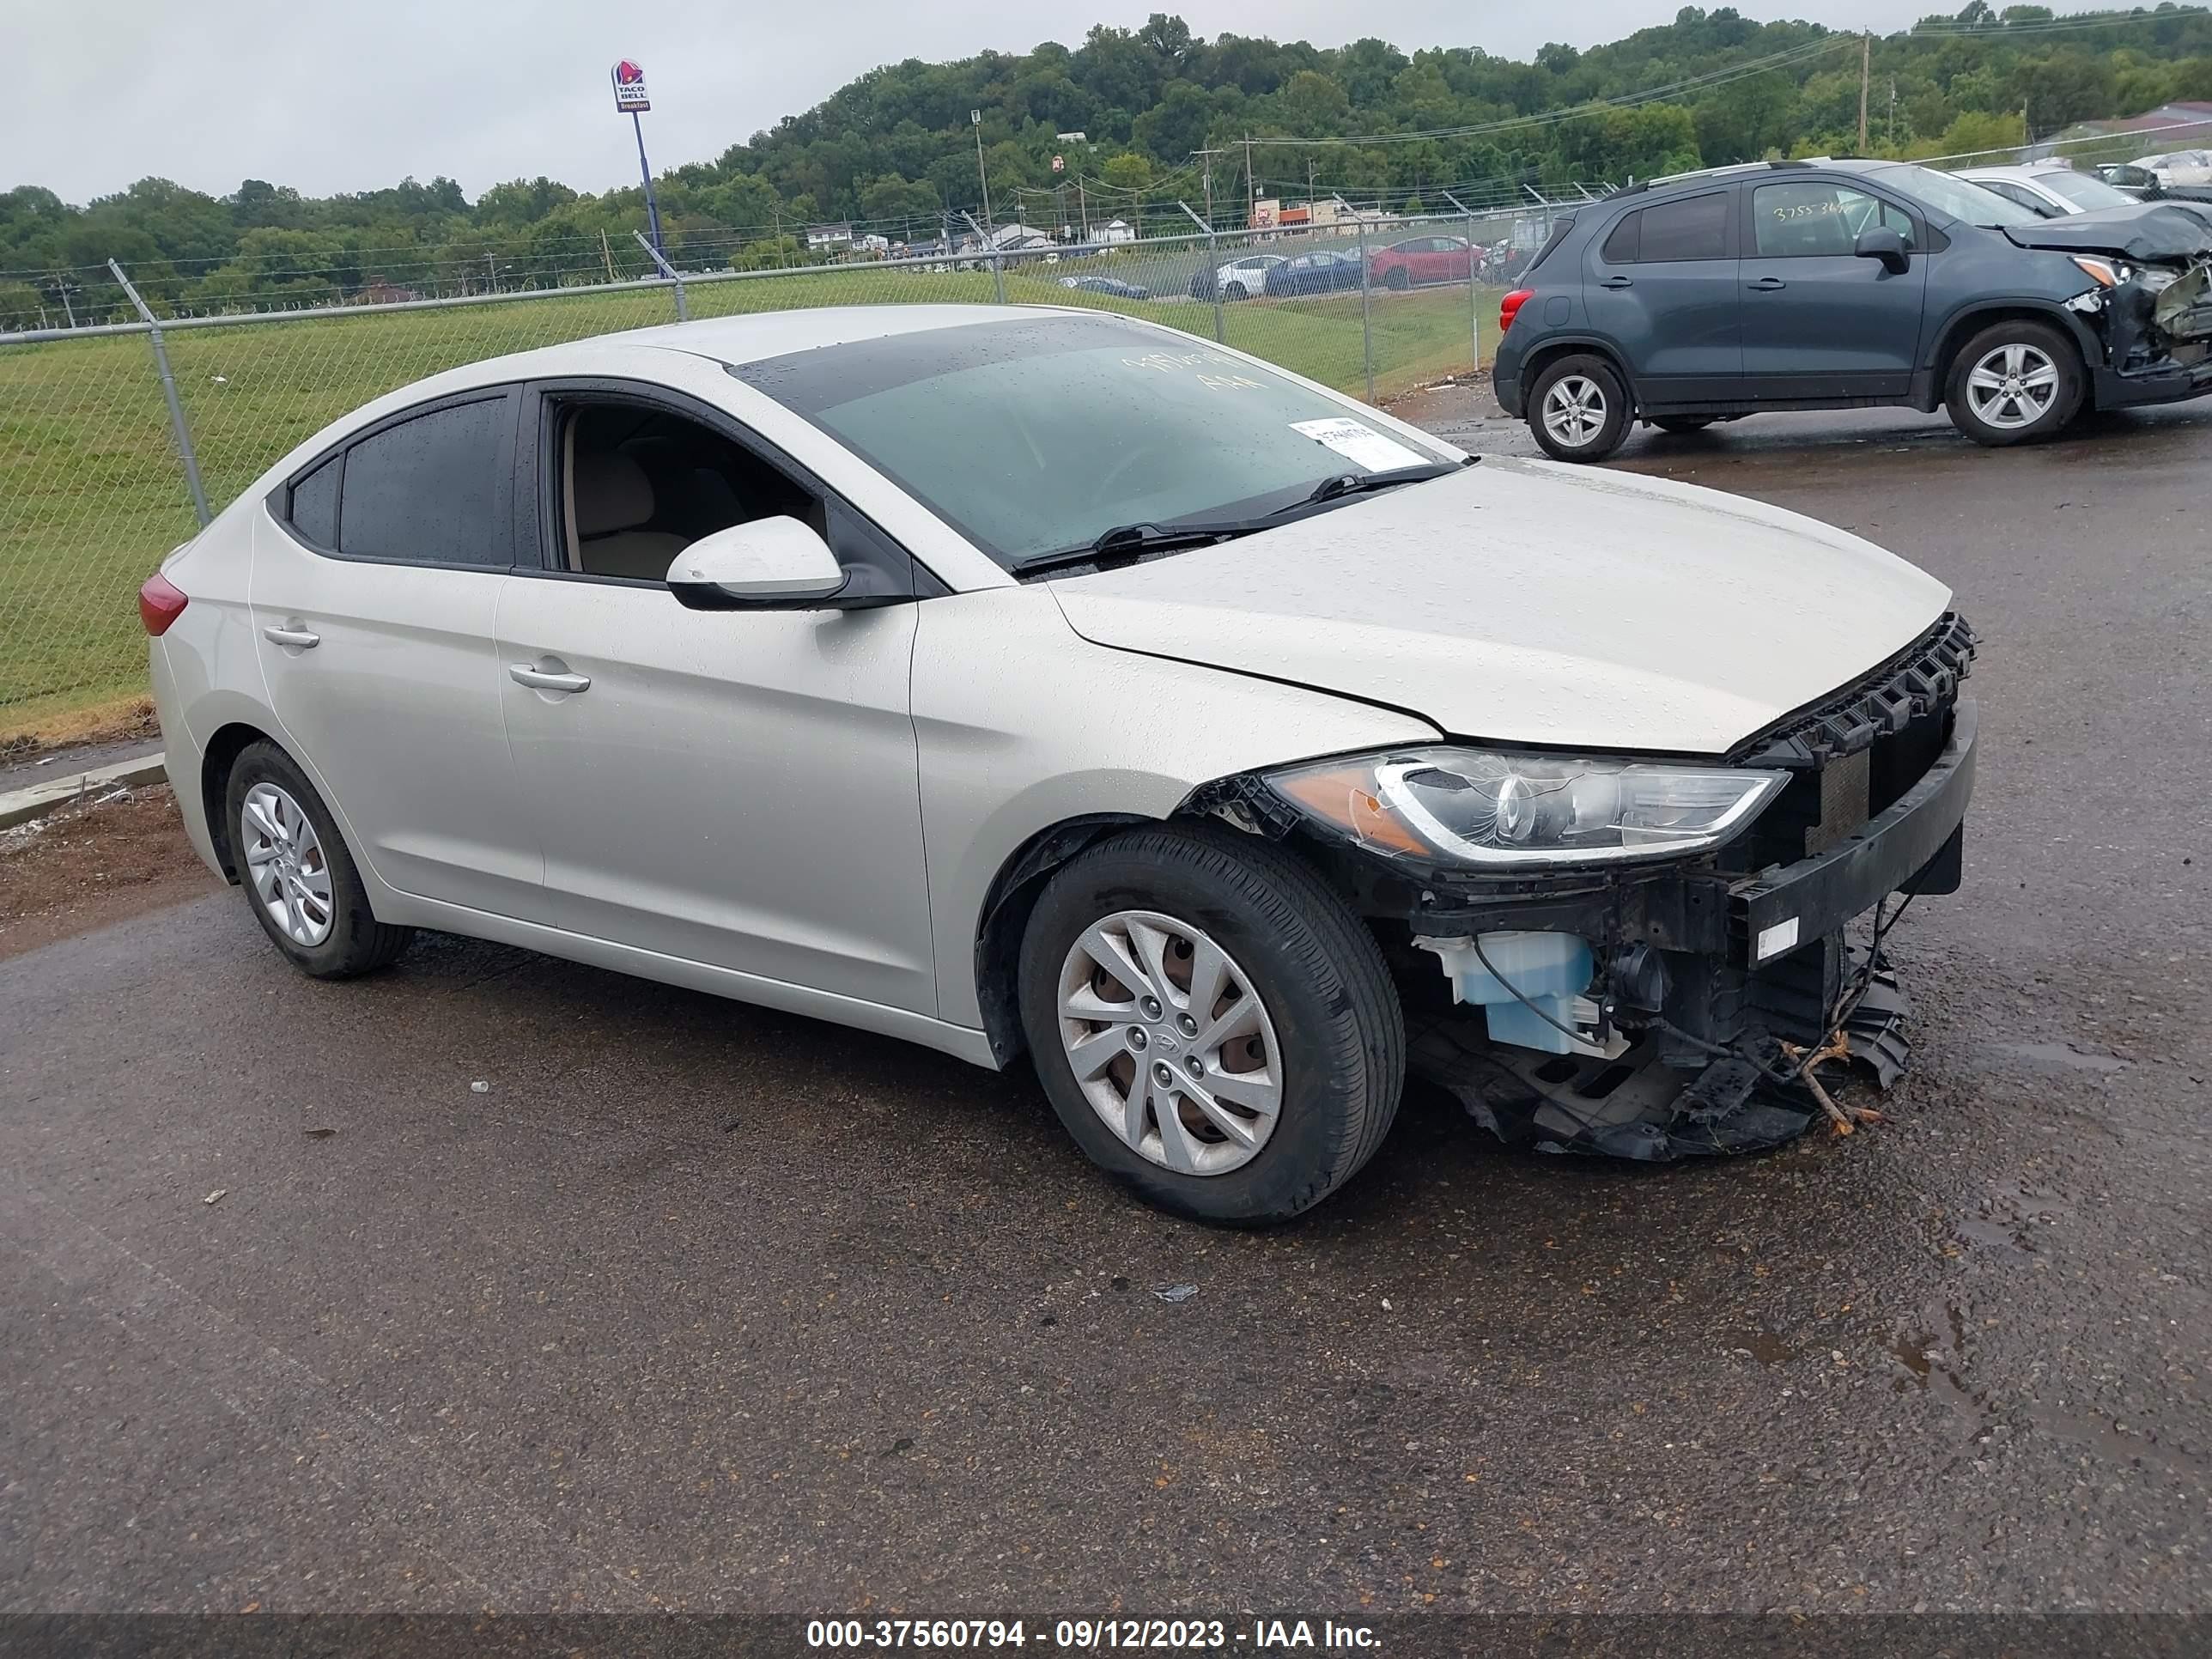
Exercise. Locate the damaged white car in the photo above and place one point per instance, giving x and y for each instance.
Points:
(1049, 685)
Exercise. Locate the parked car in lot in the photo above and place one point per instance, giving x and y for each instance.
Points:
(1113, 287)
(1236, 279)
(2185, 167)
(986, 676)
(1419, 260)
(1324, 271)
(1836, 284)
(2054, 190)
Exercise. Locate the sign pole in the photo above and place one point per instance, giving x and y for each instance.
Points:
(652, 206)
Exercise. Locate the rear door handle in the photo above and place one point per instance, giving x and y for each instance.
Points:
(299, 639)
(1618, 282)
(540, 679)
(1766, 285)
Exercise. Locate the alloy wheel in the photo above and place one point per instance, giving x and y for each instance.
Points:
(2013, 387)
(284, 858)
(1170, 1042)
(1574, 409)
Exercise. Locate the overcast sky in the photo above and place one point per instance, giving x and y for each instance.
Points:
(329, 97)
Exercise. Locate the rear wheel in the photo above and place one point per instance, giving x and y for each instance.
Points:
(2013, 382)
(1212, 1024)
(1579, 408)
(296, 869)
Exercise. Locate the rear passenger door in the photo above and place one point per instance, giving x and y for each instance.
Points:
(1662, 286)
(377, 573)
(1819, 323)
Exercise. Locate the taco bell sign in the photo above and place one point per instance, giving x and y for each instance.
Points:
(629, 87)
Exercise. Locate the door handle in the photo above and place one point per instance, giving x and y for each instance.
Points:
(299, 639)
(1618, 282)
(1766, 285)
(540, 679)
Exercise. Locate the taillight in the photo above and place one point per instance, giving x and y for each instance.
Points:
(161, 602)
(1510, 306)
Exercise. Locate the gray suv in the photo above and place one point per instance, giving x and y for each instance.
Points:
(1838, 284)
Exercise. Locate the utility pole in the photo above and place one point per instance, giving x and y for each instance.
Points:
(491, 274)
(1206, 181)
(1083, 207)
(607, 254)
(1893, 111)
(975, 120)
(1250, 196)
(1865, 63)
(1309, 189)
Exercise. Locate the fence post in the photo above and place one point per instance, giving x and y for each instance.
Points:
(682, 310)
(170, 392)
(1366, 313)
(1474, 296)
(1213, 253)
(998, 255)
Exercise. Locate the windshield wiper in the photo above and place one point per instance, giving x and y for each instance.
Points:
(1360, 483)
(1134, 540)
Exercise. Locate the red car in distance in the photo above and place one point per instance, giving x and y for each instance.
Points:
(1420, 259)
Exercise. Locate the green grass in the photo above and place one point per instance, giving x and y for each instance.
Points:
(92, 496)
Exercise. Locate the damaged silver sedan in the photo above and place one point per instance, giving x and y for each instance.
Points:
(1054, 688)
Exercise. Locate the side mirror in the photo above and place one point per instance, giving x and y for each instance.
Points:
(1882, 243)
(770, 563)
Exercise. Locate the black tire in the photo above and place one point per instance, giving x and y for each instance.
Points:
(2032, 337)
(1612, 395)
(1340, 1031)
(1398, 278)
(1233, 291)
(1683, 422)
(357, 942)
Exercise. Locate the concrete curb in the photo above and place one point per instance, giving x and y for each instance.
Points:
(22, 804)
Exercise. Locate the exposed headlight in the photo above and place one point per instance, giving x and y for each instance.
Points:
(2105, 273)
(1506, 812)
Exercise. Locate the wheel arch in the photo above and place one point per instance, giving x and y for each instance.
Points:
(1963, 325)
(1006, 908)
(223, 748)
(1541, 357)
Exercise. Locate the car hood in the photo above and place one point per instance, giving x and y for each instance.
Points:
(1527, 602)
(2157, 230)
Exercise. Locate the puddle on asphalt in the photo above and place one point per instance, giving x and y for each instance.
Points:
(1768, 1349)
(2063, 1056)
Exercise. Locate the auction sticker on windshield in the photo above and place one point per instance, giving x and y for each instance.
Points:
(1360, 444)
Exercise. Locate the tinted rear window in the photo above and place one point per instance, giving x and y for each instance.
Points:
(425, 489)
(1619, 248)
(315, 510)
(1693, 229)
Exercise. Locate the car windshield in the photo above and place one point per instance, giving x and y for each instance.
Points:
(1040, 434)
(1955, 198)
(2085, 192)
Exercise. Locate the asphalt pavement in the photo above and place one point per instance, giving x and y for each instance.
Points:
(696, 1305)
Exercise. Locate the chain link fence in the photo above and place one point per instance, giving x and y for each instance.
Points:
(93, 476)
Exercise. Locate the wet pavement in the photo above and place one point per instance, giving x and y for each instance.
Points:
(698, 1305)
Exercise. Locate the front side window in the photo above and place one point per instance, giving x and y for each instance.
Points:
(2020, 193)
(1953, 198)
(1034, 436)
(427, 490)
(1694, 229)
(1818, 218)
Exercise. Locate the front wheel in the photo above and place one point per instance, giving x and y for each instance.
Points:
(2013, 382)
(1211, 1023)
(1234, 291)
(1398, 279)
(1579, 408)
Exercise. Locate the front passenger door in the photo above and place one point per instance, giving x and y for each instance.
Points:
(1819, 323)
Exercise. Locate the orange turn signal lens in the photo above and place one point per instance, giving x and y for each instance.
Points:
(1345, 797)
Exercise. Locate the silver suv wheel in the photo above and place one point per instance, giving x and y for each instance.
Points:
(1574, 409)
(1170, 1043)
(2012, 386)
